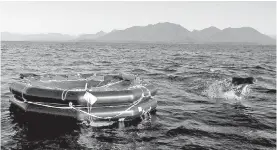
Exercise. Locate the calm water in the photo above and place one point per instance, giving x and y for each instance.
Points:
(186, 117)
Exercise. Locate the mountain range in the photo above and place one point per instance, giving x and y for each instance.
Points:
(161, 32)
(7, 36)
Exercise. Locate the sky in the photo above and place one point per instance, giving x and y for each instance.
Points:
(69, 17)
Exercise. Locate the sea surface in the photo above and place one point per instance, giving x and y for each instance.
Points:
(186, 75)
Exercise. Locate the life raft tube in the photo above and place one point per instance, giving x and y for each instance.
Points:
(117, 96)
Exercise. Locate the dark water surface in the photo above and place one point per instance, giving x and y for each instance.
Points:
(186, 117)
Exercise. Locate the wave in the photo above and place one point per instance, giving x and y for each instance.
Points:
(177, 78)
(182, 130)
(81, 62)
(265, 90)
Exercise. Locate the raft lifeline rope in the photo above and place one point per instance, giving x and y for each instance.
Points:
(92, 116)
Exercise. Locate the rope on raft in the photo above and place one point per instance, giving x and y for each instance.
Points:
(89, 105)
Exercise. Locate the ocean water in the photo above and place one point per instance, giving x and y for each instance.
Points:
(191, 113)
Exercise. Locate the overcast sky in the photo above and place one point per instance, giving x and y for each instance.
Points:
(91, 17)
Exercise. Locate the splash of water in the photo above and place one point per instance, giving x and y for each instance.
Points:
(223, 89)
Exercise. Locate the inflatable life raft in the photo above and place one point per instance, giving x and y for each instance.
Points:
(108, 97)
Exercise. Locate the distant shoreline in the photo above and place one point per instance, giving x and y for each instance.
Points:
(140, 42)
